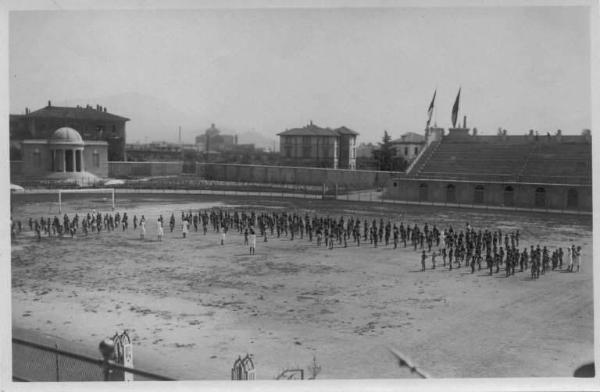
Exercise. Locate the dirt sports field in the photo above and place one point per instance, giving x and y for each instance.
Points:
(193, 306)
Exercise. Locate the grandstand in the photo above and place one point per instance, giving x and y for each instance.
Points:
(485, 168)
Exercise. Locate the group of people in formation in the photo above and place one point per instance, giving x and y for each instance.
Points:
(455, 248)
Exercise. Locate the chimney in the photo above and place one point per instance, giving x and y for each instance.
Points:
(465, 122)
(49, 103)
(26, 110)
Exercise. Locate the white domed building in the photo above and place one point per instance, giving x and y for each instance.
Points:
(65, 156)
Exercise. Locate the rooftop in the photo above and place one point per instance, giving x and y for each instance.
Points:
(66, 135)
(410, 137)
(78, 112)
(314, 130)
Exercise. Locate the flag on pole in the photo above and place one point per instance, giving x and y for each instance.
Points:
(455, 110)
(430, 110)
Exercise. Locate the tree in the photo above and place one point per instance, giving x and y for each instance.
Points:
(385, 153)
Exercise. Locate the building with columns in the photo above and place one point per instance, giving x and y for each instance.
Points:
(92, 123)
(64, 156)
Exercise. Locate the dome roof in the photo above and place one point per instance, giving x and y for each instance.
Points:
(66, 135)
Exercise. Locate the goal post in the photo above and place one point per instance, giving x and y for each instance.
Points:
(110, 191)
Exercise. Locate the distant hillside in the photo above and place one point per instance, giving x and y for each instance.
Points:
(259, 140)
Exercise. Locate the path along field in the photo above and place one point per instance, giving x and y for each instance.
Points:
(193, 306)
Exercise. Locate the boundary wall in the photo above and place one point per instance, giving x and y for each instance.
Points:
(294, 175)
(575, 197)
(120, 169)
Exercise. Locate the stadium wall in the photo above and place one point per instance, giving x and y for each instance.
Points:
(119, 169)
(522, 195)
(293, 175)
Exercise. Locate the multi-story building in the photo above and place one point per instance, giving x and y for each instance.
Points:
(322, 147)
(93, 124)
(214, 140)
(408, 145)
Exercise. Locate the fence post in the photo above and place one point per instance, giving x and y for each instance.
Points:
(56, 361)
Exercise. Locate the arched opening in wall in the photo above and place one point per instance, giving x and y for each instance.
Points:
(540, 197)
(37, 158)
(572, 198)
(450, 194)
(423, 192)
(478, 194)
(509, 196)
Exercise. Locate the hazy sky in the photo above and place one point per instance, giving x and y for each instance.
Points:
(268, 70)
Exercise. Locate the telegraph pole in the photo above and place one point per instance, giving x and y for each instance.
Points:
(180, 143)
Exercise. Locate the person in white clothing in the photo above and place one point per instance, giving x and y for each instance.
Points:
(222, 236)
(142, 227)
(160, 229)
(253, 243)
(570, 254)
(184, 228)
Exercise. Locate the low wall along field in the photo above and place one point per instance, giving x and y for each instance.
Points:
(144, 169)
(518, 195)
(293, 175)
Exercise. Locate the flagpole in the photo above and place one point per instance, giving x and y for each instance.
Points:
(435, 112)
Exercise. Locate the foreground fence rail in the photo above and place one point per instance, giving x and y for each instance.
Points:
(37, 362)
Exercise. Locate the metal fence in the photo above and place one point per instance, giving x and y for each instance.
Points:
(37, 362)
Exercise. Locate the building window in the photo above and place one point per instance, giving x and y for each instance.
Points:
(405, 151)
(395, 184)
(288, 151)
(509, 196)
(572, 198)
(96, 158)
(37, 158)
(306, 151)
(451, 194)
(416, 150)
(540, 198)
(423, 192)
(478, 196)
(99, 131)
(114, 130)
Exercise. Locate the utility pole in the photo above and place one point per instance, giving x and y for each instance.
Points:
(180, 143)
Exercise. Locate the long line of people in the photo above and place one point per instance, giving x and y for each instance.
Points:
(468, 247)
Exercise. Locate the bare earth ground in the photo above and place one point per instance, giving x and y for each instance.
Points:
(193, 306)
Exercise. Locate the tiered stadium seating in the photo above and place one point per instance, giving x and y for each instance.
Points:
(475, 160)
(561, 163)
